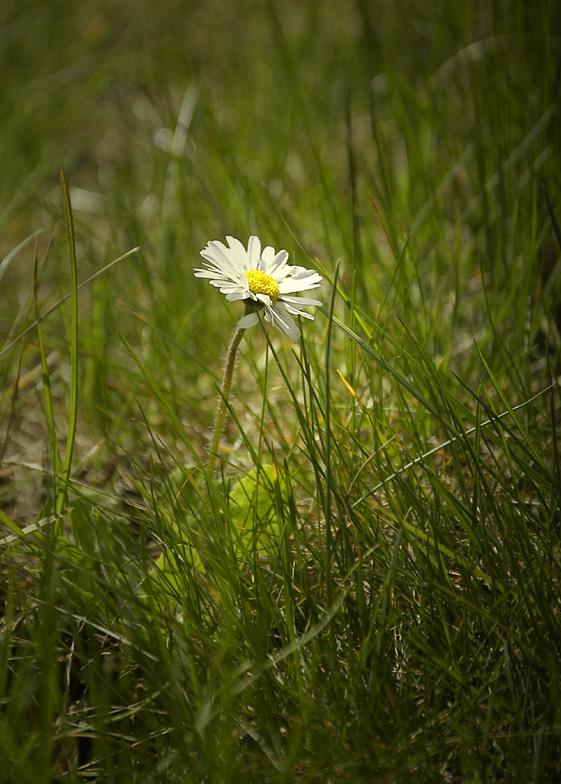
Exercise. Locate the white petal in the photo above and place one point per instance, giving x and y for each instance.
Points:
(237, 252)
(300, 300)
(297, 312)
(220, 257)
(202, 273)
(279, 263)
(249, 320)
(279, 316)
(215, 246)
(254, 252)
(293, 284)
(267, 257)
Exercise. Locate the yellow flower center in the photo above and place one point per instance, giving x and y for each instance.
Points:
(261, 283)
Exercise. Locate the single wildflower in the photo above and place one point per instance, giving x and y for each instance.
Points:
(263, 279)
(266, 283)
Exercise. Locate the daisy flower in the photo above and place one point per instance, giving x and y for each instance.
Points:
(263, 279)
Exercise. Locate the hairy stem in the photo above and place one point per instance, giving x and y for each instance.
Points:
(224, 397)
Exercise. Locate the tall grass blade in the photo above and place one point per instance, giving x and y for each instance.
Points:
(73, 410)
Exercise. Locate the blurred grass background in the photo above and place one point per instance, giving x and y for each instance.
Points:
(409, 143)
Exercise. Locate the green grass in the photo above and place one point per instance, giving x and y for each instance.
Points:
(369, 589)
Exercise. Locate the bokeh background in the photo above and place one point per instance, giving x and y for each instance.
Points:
(409, 149)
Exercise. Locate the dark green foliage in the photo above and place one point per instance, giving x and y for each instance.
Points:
(370, 589)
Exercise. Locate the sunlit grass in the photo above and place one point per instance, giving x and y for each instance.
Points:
(369, 587)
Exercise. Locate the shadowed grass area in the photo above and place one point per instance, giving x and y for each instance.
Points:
(368, 589)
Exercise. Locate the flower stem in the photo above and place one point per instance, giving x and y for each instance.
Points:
(224, 397)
